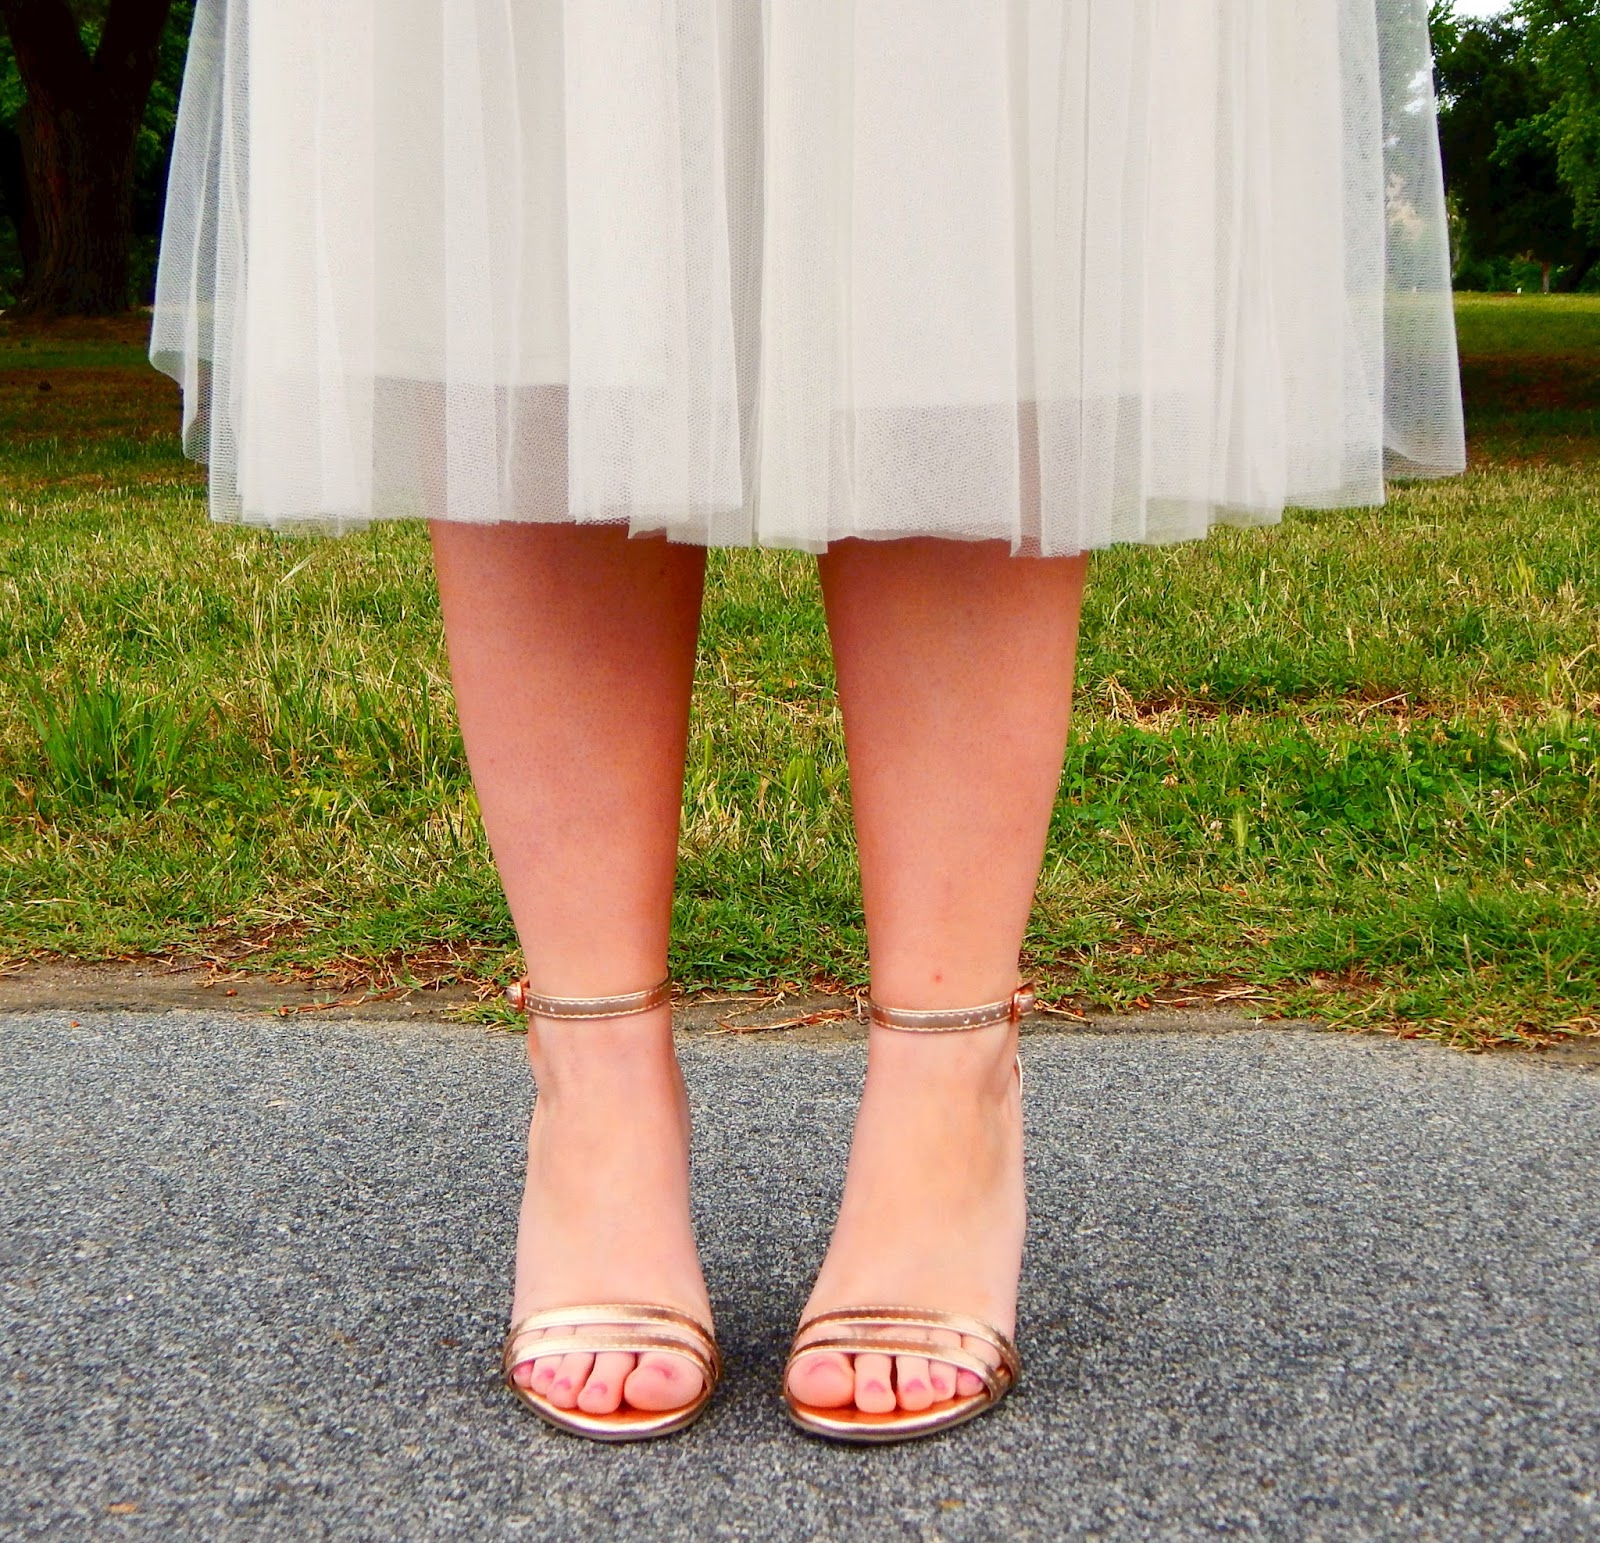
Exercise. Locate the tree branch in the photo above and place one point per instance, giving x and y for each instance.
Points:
(51, 58)
(130, 48)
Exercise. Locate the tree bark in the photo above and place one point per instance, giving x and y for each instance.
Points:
(78, 130)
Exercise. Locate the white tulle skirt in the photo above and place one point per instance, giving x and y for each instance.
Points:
(1061, 273)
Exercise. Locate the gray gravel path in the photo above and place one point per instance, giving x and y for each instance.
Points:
(1280, 1285)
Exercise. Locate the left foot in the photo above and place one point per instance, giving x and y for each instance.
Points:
(933, 1213)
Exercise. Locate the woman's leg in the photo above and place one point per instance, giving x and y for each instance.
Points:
(955, 666)
(572, 653)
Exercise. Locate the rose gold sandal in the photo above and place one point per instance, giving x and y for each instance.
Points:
(893, 1330)
(631, 1328)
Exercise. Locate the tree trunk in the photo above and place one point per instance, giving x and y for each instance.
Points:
(80, 183)
(78, 131)
(1545, 268)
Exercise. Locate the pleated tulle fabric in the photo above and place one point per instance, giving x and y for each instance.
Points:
(1061, 273)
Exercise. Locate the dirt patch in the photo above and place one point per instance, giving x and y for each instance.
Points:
(156, 985)
(1557, 383)
(53, 985)
(130, 328)
(1533, 411)
(153, 986)
(59, 403)
(806, 1018)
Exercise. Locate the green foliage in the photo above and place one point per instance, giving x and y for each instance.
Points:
(12, 96)
(1564, 40)
(1507, 192)
(161, 116)
(1523, 276)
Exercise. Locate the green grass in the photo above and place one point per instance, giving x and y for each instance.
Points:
(1538, 326)
(1350, 766)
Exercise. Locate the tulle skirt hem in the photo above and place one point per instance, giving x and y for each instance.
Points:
(1060, 273)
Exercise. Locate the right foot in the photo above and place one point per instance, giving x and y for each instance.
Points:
(605, 1213)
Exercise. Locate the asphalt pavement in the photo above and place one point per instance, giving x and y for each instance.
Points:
(1280, 1284)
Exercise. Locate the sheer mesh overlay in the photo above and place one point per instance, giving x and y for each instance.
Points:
(1061, 273)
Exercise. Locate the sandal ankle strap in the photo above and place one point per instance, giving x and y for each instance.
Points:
(525, 999)
(1013, 1009)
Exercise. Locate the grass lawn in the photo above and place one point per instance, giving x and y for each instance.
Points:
(1348, 767)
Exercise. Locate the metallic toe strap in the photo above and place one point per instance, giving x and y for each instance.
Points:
(1013, 1009)
(873, 1331)
(631, 1328)
(525, 999)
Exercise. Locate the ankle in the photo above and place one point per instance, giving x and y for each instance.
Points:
(620, 1057)
(974, 1061)
(959, 1030)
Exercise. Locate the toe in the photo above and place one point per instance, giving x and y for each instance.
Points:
(661, 1382)
(969, 1384)
(602, 1392)
(524, 1371)
(823, 1381)
(569, 1379)
(911, 1381)
(941, 1374)
(874, 1384)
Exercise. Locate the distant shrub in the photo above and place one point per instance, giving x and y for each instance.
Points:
(1510, 275)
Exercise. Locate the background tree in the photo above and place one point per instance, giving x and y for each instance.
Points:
(1506, 186)
(86, 69)
(1564, 42)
